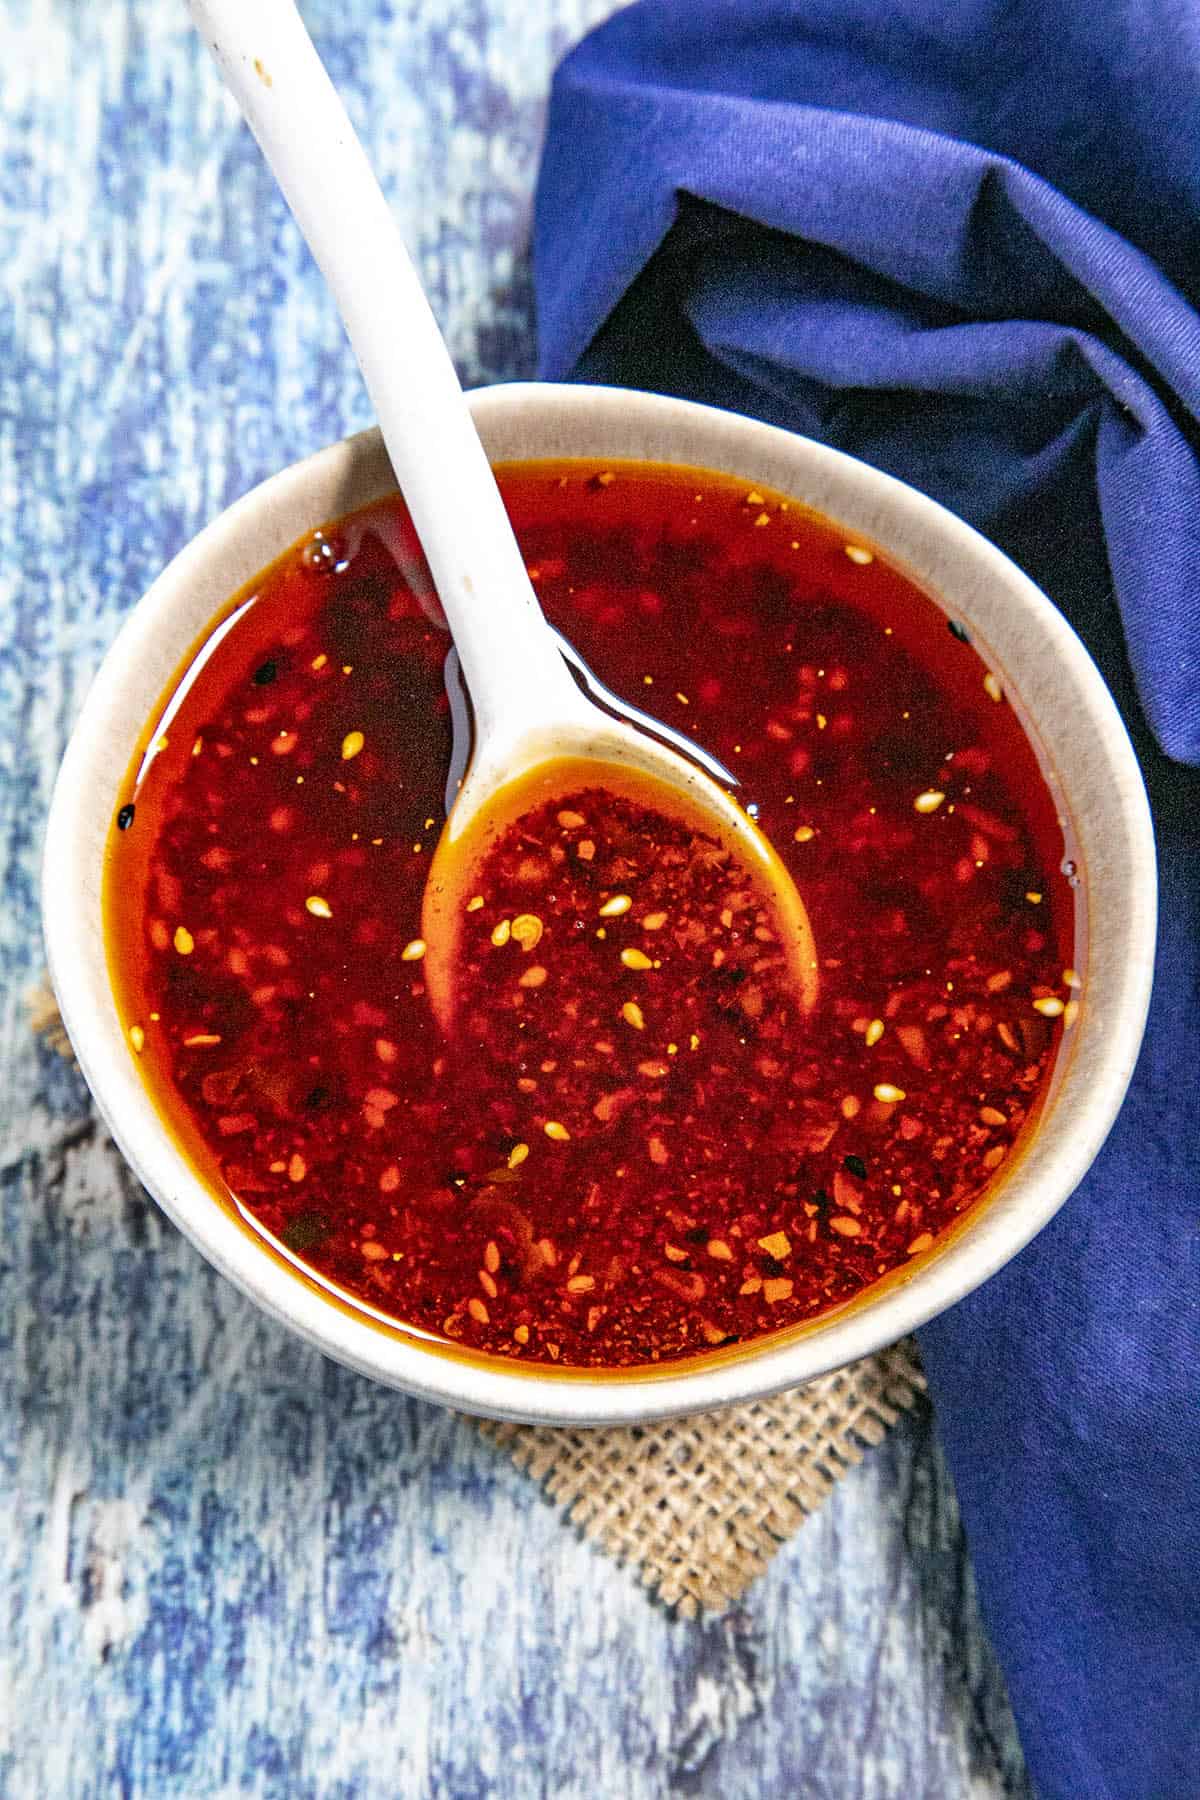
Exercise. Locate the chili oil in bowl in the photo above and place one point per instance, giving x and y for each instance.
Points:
(635, 1178)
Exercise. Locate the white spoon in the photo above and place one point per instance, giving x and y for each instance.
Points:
(536, 734)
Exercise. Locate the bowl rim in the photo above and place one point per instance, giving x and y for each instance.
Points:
(903, 522)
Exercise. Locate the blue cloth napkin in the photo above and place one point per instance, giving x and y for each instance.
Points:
(963, 242)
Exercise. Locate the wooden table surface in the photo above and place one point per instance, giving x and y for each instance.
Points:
(229, 1567)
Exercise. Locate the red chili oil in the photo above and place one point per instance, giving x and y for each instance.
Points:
(633, 1146)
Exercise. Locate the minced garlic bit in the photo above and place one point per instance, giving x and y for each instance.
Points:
(636, 959)
(719, 1250)
(185, 943)
(654, 921)
(413, 951)
(201, 1040)
(319, 908)
(778, 1288)
(501, 933)
(804, 834)
(1034, 899)
(558, 1132)
(1050, 1006)
(874, 1032)
(137, 1038)
(526, 929)
(352, 743)
(776, 1244)
(992, 688)
(920, 1243)
(570, 821)
(474, 903)
(612, 909)
(929, 801)
(888, 1094)
(857, 554)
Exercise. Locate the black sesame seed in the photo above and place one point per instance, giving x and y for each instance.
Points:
(958, 631)
(125, 816)
(854, 1165)
(265, 674)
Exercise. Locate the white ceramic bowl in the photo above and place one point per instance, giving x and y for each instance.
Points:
(1044, 668)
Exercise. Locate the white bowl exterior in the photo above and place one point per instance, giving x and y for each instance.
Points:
(1061, 696)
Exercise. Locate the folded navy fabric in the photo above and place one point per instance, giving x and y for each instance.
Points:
(963, 243)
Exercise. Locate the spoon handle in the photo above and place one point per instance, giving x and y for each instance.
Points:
(512, 666)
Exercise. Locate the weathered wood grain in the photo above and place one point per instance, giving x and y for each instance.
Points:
(229, 1568)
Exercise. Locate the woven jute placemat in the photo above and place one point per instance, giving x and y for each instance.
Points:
(697, 1506)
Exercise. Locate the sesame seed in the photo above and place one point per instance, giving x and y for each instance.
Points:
(474, 903)
(874, 1032)
(533, 977)
(352, 743)
(501, 933)
(478, 1311)
(992, 688)
(636, 959)
(929, 801)
(137, 1038)
(1072, 979)
(1050, 1006)
(804, 834)
(612, 909)
(517, 1155)
(857, 554)
(413, 951)
(887, 1094)
(845, 1226)
(185, 943)
(558, 1132)
(319, 908)
(654, 921)
(527, 930)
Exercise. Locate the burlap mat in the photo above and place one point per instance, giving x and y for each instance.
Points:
(698, 1506)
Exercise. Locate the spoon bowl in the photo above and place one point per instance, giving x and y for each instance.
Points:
(596, 752)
